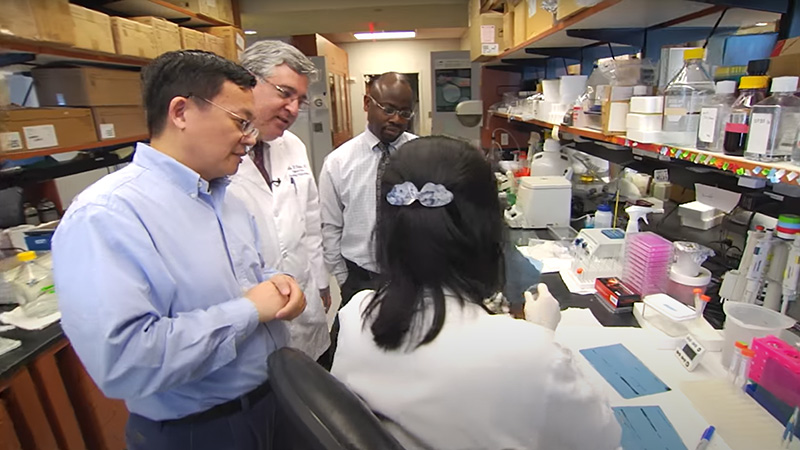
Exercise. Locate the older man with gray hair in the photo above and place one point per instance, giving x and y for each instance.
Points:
(277, 186)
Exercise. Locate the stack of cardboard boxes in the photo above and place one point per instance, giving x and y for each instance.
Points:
(59, 22)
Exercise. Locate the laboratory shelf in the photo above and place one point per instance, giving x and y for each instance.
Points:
(44, 52)
(165, 9)
(605, 21)
(51, 169)
(779, 172)
(108, 143)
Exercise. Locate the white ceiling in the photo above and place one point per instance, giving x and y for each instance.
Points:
(338, 19)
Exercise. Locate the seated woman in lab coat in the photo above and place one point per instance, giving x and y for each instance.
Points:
(440, 371)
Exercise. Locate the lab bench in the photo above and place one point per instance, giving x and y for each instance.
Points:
(48, 401)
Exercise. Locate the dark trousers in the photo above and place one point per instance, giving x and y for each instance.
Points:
(358, 279)
(253, 428)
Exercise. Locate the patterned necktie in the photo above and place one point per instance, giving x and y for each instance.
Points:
(384, 148)
(258, 159)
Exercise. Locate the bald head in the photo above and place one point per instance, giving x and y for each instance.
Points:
(390, 91)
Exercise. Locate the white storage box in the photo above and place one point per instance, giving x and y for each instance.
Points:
(544, 201)
(645, 137)
(702, 224)
(697, 211)
(643, 122)
(667, 314)
(647, 105)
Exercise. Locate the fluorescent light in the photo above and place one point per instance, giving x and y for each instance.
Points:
(762, 24)
(386, 35)
(250, 32)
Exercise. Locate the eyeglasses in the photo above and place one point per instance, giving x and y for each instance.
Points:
(248, 128)
(391, 110)
(287, 93)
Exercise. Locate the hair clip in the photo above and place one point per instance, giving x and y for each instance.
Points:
(431, 195)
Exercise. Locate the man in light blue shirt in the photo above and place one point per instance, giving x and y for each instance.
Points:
(162, 289)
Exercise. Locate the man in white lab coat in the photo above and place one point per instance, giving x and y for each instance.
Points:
(277, 185)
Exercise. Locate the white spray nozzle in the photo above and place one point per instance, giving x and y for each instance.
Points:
(638, 212)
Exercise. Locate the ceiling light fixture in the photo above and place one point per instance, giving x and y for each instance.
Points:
(385, 35)
(250, 32)
(762, 24)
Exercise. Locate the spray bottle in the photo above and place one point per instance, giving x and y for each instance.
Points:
(638, 212)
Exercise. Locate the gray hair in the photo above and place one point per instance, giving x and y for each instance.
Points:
(263, 56)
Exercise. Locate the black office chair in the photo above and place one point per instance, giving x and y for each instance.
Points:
(323, 412)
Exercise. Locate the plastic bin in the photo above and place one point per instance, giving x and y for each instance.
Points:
(746, 322)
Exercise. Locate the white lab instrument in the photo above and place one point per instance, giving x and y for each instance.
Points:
(551, 161)
(791, 275)
(541, 201)
(699, 215)
(636, 213)
(758, 264)
(690, 353)
(687, 275)
(596, 253)
(773, 278)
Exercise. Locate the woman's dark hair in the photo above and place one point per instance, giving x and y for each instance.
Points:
(424, 251)
(184, 73)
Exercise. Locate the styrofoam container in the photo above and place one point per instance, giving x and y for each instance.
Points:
(645, 137)
(647, 104)
(697, 211)
(667, 314)
(552, 92)
(704, 224)
(643, 122)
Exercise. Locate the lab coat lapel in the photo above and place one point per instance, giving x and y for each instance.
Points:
(249, 172)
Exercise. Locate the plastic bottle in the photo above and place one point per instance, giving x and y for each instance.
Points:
(736, 361)
(744, 368)
(550, 162)
(683, 98)
(714, 115)
(34, 286)
(603, 217)
(752, 90)
(774, 123)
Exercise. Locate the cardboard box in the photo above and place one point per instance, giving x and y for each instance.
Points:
(216, 9)
(53, 20)
(234, 40)
(216, 45)
(486, 36)
(784, 65)
(38, 128)
(787, 47)
(87, 86)
(508, 30)
(117, 122)
(92, 29)
(192, 40)
(568, 8)
(17, 19)
(538, 22)
(133, 38)
(166, 35)
(520, 19)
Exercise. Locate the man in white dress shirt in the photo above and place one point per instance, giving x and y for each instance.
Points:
(347, 184)
(277, 186)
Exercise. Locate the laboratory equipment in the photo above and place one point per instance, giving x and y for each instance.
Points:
(603, 218)
(47, 211)
(700, 302)
(690, 353)
(745, 322)
(636, 213)
(34, 286)
(774, 123)
(596, 253)
(689, 257)
(541, 201)
(683, 98)
(31, 214)
(615, 295)
(682, 287)
(752, 90)
(705, 439)
(713, 116)
(774, 275)
(776, 368)
(735, 360)
(791, 275)
(667, 314)
(744, 368)
(647, 258)
(551, 161)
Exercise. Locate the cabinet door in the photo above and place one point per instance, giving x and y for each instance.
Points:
(341, 122)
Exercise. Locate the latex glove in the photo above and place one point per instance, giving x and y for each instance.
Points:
(543, 309)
